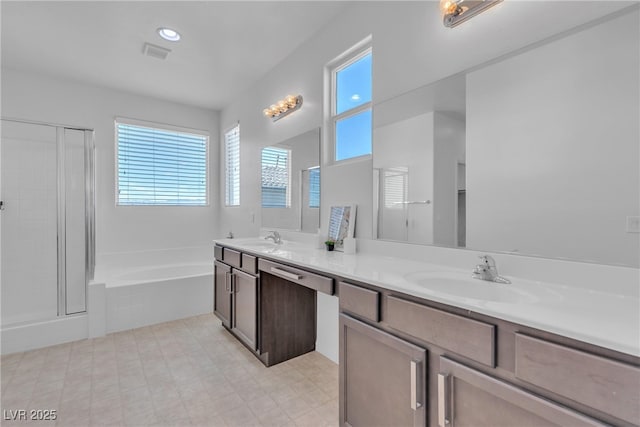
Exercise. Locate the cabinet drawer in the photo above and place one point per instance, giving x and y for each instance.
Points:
(360, 301)
(249, 264)
(217, 252)
(603, 384)
(466, 337)
(231, 257)
(295, 275)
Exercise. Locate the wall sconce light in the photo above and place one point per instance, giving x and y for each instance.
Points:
(455, 12)
(283, 108)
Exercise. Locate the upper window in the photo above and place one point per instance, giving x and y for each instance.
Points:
(351, 106)
(275, 178)
(232, 167)
(160, 165)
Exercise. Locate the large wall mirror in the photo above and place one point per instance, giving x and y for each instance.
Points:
(535, 153)
(291, 183)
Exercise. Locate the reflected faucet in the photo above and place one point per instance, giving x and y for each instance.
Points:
(275, 236)
(488, 271)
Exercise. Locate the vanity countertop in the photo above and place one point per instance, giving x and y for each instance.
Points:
(609, 320)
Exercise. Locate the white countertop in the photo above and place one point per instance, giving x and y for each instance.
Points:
(610, 320)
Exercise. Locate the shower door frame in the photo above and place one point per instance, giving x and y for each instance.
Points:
(89, 208)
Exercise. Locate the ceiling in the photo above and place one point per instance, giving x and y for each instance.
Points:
(226, 46)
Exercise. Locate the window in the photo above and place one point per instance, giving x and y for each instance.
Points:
(351, 106)
(275, 178)
(314, 187)
(160, 166)
(232, 167)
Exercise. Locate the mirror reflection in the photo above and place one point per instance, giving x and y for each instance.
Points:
(535, 153)
(291, 183)
(341, 224)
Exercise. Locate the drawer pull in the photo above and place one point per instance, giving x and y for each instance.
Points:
(285, 274)
(443, 416)
(415, 381)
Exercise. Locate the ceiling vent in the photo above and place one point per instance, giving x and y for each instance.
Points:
(155, 51)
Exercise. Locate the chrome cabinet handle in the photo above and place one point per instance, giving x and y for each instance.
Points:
(443, 397)
(226, 281)
(285, 274)
(415, 381)
(232, 283)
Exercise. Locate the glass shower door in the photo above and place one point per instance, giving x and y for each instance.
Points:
(46, 224)
(29, 222)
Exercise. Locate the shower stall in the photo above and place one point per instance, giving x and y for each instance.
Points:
(46, 222)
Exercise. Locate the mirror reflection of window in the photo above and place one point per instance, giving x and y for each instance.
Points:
(396, 182)
(314, 187)
(276, 178)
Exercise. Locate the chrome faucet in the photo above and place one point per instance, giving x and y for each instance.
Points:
(275, 236)
(487, 270)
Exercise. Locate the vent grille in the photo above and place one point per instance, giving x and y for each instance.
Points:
(155, 51)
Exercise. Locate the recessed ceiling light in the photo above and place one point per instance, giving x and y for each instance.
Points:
(169, 34)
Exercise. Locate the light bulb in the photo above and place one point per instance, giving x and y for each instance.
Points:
(291, 101)
(267, 112)
(282, 105)
(448, 7)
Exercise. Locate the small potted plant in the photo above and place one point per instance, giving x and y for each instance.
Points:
(331, 244)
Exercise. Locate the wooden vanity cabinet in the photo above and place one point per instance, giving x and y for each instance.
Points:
(479, 371)
(383, 378)
(222, 293)
(244, 319)
(268, 306)
(470, 398)
(236, 298)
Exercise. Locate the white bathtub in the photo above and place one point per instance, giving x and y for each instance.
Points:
(160, 273)
(143, 288)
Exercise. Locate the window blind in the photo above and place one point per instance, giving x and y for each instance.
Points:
(395, 187)
(314, 187)
(275, 178)
(232, 166)
(161, 166)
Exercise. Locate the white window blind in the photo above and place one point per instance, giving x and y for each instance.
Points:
(161, 166)
(396, 188)
(232, 166)
(275, 178)
(314, 187)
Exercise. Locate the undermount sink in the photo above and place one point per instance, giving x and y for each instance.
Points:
(265, 246)
(461, 286)
(261, 244)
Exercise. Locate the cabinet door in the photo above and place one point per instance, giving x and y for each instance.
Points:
(222, 288)
(245, 289)
(467, 397)
(382, 378)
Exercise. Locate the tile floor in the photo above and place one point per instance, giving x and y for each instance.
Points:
(188, 372)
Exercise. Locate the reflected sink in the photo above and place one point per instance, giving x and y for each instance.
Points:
(459, 285)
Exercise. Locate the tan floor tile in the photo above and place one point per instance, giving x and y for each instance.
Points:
(262, 405)
(295, 407)
(240, 416)
(275, 417)
(185, 372)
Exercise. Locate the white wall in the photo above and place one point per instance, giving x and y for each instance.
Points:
(449, 150)
(560, 199)
(40, 98)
